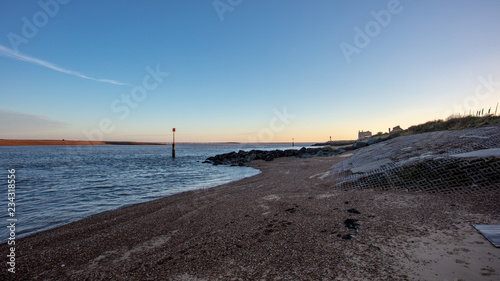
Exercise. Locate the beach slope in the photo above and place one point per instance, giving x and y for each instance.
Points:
(285, 223)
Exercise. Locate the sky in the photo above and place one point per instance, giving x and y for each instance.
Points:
(240, 70)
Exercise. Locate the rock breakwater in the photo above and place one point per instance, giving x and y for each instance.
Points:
(244, 158)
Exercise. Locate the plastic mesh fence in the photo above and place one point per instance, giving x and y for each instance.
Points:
(423, 163)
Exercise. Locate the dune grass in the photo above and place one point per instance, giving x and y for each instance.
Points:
(452, 123)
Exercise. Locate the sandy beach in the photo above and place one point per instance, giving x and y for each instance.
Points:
(250, 140)
(286, 223)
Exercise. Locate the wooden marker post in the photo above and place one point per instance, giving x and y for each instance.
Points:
(173, 143)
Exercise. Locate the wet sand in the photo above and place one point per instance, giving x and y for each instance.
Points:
(285, 223)
(71, 142)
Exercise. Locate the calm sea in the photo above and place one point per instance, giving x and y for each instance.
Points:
(56, 185)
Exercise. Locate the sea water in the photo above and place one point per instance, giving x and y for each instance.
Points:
(56, 185)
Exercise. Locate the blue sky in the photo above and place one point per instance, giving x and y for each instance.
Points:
(241, 70)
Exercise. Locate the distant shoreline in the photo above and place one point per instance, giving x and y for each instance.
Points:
(4, 142)
(19, 142)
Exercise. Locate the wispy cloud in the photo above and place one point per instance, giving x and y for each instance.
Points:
(18, 56)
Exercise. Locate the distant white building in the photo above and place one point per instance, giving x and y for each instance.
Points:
(364, 135)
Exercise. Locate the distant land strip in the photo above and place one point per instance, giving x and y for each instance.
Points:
(4, 142)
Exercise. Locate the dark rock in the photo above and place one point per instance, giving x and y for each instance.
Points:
(268, 157)
(250, 156)
(327, 148)
(242, 158)
(327, 152)
(347, 237)
(351, 223)
(353, 211)
(391, 136)
(360, 144)
(334, 143)
(290, 152)
(372, 141)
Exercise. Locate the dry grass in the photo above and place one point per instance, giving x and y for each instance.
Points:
(452, 123)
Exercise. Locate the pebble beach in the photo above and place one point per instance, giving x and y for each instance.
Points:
(286, 223)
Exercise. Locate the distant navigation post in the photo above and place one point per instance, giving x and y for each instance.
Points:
(173, 143)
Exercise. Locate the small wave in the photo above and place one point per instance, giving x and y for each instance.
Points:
(104, 186)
